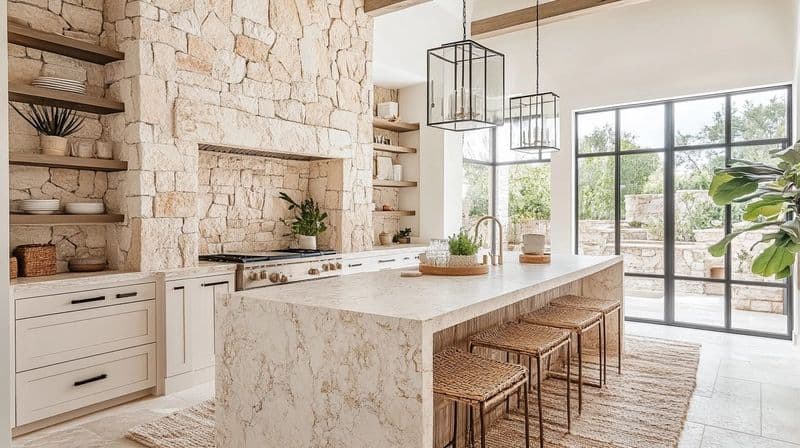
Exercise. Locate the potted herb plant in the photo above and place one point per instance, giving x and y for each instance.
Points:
(771, 201)
(54, 125)
(308, 222)
(463, 249)
(402, 236)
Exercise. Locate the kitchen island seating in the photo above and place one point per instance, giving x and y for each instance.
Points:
(579, 322)
(606, 308)
(475, 381)
(535, 342)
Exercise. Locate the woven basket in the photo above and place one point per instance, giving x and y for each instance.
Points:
(36, 260)
(12, 267)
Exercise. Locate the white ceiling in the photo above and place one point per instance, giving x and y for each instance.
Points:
(401, 38)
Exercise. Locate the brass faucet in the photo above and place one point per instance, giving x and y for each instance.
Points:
(496, 258)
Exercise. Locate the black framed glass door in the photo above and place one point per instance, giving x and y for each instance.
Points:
(642, 176)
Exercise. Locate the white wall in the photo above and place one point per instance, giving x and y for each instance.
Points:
(650, 50)
(5, 310)
(439, 171)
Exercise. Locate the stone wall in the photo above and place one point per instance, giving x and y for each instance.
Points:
(281, 76)
(238, 204)
(81, 20)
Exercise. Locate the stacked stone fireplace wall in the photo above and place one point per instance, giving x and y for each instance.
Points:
(281, 76)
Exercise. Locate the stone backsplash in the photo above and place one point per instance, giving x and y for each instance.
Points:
(238, 204)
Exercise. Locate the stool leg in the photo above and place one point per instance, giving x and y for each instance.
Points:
(483, 426)
(508, 360)
(569, 385)
(619, 340)
(600, 352)
(455, 425)
(539, 399)
(605, 350)
(580, 373)
(471, 428)
(527, 420)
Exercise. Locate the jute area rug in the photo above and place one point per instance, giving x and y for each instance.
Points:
(645, 407)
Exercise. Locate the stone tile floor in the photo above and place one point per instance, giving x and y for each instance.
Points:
(748, 395)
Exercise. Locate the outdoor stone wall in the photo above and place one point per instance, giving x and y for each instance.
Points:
(81, 20)
(238, 204)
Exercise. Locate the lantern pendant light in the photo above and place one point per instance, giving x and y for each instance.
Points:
(466, 85)
(534, 119)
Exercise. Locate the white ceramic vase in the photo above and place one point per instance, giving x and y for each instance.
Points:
(307, 242)
(533, 243)
(53, 145)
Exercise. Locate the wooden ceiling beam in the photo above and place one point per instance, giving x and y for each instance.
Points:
(548, 12)
(380, 7)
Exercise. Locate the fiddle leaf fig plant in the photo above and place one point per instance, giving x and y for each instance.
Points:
(309, 220)
(771, 200)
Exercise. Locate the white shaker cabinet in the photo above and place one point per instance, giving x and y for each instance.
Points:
(189, 329)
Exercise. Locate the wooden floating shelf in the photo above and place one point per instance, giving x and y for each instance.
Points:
(393, 148)
(78, 163)
(394, 213)
(396, 126)
(65, 46)
(55, 220)
(39, 95)
(393, 183)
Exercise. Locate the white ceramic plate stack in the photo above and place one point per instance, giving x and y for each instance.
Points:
(66, 85)
(41, 206)
(84, 208)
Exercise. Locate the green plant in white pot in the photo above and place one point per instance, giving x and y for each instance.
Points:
(463, 249)
(308, 222)
(53, 124)
(771, 200)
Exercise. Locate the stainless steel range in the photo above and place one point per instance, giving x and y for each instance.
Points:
(261, 269)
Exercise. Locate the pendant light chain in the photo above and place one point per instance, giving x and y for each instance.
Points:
(464, 17)
(537, 47)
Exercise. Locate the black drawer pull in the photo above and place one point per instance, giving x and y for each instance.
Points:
(126, 294)
(91, 299)
(354, 265)
(176, 288)
(90, 380)
(215, 283)
(386, 261)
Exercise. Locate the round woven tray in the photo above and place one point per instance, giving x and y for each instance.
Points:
(454, 270)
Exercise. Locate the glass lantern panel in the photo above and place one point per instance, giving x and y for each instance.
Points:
(534, 122)
(441, 81)
(495, 89)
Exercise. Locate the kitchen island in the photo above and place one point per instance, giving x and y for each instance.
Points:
(347, 361)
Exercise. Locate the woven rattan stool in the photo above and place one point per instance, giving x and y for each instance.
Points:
(475, 381)
(535, 342)
(606, 308)
(578, 322)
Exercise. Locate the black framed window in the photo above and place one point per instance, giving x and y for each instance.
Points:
(511, 185)
(642, 176)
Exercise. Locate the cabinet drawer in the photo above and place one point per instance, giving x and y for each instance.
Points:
(53, 390)
(94, 298)
(46, 340)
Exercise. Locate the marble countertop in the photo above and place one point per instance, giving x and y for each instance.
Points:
(440, 301)
(203, 268)
(378, 251)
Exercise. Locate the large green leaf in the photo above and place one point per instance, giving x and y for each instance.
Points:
(792, 230)
(768, 206)
(718, 249)
(774, 259)
(790, 154)
(725, 188)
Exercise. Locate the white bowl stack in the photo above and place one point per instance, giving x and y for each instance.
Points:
(66, 85)
(84, 208)
(41, 206)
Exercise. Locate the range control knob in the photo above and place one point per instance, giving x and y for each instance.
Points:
(338, 265)
(284, 279)
(274, 277)
(254, 275)
(325, 266)
(313, 271)
(263, 275)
